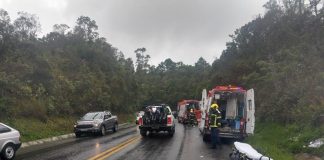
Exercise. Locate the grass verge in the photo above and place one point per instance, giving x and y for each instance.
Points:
(33, 129)
(281, 142)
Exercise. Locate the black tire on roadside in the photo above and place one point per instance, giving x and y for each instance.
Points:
(8, 152)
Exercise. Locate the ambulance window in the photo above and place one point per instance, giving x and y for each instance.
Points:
(217, 96)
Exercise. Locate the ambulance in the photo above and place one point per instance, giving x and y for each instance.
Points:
(237, 109)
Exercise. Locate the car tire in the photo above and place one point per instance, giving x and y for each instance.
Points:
(102, 130)
(115, 128)
(8, 152)
(77, 135)
(143, 133)
(171, 132)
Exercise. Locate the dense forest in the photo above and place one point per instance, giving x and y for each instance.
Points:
(72, 70)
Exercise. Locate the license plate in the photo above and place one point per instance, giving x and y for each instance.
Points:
(155, 127)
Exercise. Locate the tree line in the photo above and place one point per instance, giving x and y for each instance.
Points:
(73, 70)
(70, 71)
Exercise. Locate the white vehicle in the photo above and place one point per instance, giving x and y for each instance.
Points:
(155, 119)
(9, 142)
(237, 111)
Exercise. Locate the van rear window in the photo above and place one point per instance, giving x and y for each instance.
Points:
(4, 129)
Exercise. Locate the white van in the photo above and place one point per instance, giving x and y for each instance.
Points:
(237, 110)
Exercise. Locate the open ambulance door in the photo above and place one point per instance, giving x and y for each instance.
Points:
(203, 108)
(250, 110)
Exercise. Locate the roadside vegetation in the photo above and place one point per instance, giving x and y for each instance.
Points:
(283, 141)
(72, 70)
(33, 129)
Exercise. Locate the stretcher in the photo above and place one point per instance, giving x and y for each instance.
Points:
(243, 151)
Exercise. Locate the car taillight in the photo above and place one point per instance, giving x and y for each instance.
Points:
(169, 120)
(140, 121)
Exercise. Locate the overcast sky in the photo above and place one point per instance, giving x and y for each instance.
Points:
(182, 30)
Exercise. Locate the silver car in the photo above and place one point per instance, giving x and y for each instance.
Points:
(9, 142)
(96, 122)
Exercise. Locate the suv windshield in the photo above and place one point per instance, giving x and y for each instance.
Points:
(92, 116)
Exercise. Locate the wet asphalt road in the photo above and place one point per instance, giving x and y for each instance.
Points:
(186, 144)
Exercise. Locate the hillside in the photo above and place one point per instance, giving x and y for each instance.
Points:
(72, 70)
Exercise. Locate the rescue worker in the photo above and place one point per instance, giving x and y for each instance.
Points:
(214, 123)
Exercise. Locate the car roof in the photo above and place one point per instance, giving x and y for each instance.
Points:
(158, 106)
(98, 112)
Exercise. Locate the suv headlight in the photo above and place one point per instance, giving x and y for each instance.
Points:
(96, 123)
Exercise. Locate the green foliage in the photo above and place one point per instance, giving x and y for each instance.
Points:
(281, 141)
(126, 118)
(279, 55)
(171, 81)
(63, 73)
(32, 129)
(267, 140)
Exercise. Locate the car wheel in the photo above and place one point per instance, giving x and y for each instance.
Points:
(102, 130)
(8, 152)
(115, 128)
(143, 133)
(171, 132)
(77, 135)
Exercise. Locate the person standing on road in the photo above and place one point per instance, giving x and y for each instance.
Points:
(214, 123)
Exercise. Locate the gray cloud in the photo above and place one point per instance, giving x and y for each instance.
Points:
(182, 30)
